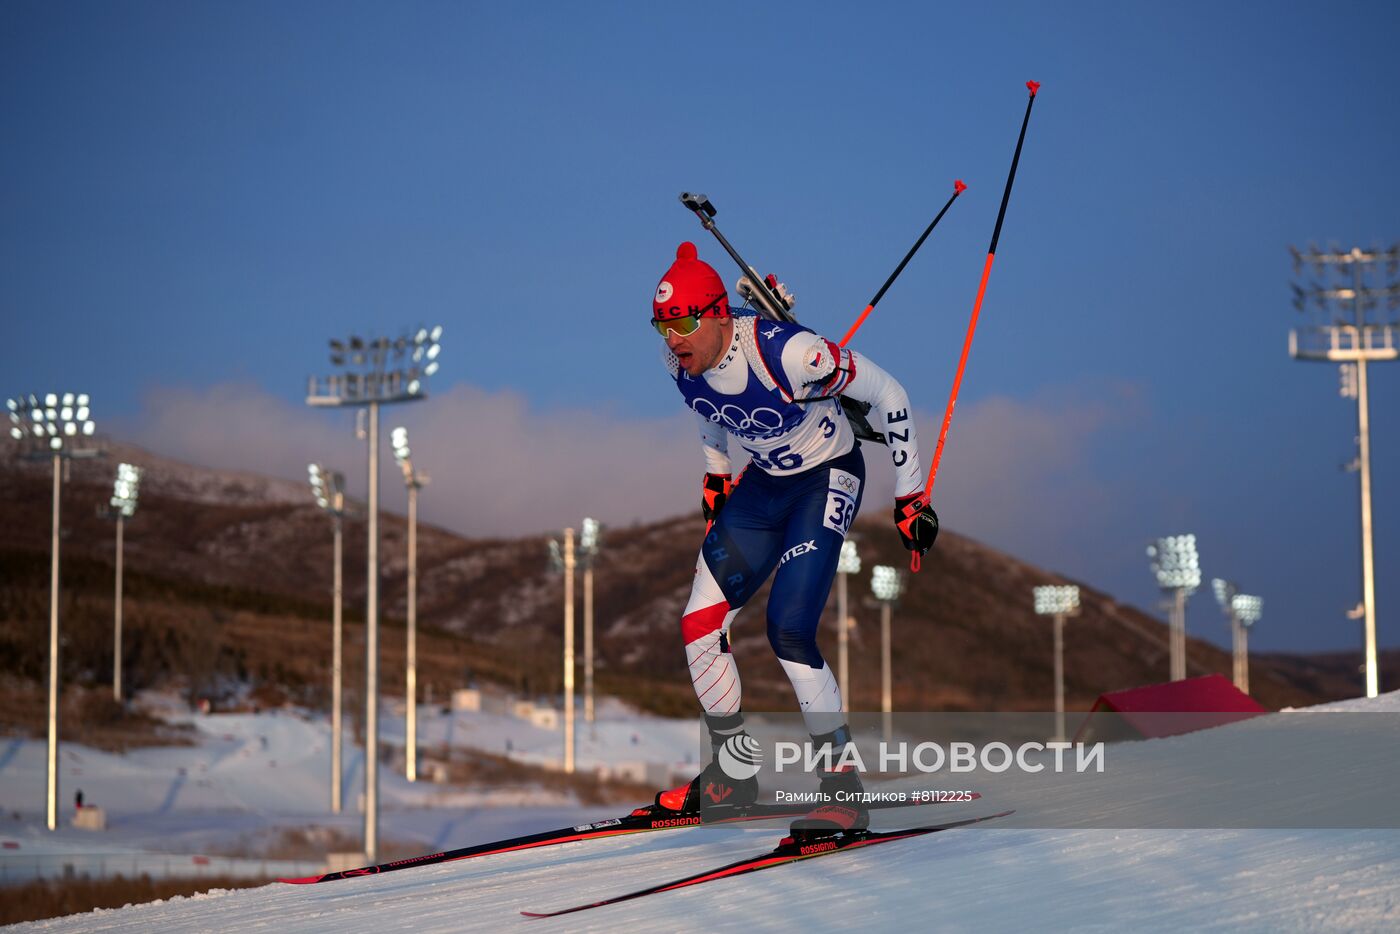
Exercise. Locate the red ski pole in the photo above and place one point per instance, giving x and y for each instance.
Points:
(958, 188)
(1033, 87)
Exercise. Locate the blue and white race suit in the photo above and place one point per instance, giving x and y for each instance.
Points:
(796, 501)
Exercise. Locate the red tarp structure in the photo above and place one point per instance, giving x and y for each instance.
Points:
(1146, 712)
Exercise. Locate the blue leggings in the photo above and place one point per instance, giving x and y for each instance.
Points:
(796, 524)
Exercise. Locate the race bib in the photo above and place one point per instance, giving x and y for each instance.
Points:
(842, 490)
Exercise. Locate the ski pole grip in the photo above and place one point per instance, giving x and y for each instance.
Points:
(1033, 86)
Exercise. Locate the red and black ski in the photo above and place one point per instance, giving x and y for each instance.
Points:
(641, 820)
(789, 851)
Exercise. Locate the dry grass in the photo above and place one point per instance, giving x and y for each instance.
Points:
(86, 715)
(34, 901)
(202, 640)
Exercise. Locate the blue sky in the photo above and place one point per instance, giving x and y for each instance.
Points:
(197, 195)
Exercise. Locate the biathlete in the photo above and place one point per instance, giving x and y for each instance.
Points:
(774, 387)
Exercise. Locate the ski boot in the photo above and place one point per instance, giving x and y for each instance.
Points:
(711, 790)
(844, 809)
(715, 789)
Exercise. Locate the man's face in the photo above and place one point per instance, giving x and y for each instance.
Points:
(702, 348)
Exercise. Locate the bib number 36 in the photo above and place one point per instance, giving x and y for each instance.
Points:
(780, 458)
(841, 495)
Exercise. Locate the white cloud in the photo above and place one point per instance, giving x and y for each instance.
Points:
(1015, 473)
(1025, 475)
(497, 466)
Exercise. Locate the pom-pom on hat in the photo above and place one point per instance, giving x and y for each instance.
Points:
(691, 284)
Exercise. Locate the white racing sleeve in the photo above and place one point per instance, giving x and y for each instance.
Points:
(827, 370)
(890, 415)
(715, 441)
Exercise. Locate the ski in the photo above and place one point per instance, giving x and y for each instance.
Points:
(788, 851)
(641, 820)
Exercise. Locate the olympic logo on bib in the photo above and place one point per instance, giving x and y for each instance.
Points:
(762, 422)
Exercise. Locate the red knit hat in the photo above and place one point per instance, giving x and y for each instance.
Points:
(688, 286)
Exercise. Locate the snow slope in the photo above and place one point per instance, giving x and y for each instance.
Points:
(249, 776)
(972, 879)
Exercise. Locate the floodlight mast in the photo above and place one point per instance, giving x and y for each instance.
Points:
(589, 542)
(44, 426)
(52, 797)
(1058, 602)
(413, 481)
(887, 583)
(1372, 335)
(368, 382)
(1247, 609)
(1177, 567)
(328, 489)
(1225, 592)
(847, 564)
(570, 562)
(125, 492)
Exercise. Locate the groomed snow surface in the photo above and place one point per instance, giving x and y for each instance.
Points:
(973, 879)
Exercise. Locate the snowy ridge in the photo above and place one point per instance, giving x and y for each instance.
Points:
(175, 479)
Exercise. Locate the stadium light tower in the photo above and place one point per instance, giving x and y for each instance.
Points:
(328, 488)
(887, 583)
(414, 481)
(590, 539)
(1248, 609)
(1369, 334)
(125, 491)
(49, 426)
(1177, 567)
(564, 559)
(1059, 602)
(847, 564)
(1225, 592)
(375, 372)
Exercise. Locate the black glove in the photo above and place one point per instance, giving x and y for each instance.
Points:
(916, 521)
(714, 494)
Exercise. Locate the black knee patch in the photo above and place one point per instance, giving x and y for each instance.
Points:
(795, 646)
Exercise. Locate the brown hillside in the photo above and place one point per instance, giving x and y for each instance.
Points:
(229, 582)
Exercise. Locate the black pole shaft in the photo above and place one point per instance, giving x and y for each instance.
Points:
(915, 248)
(1034, 86)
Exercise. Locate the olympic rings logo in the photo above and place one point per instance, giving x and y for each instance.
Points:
(762, 422)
